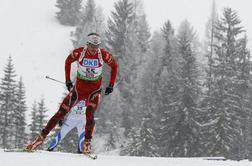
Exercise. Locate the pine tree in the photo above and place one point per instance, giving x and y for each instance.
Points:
(41, 116)
(128, 43)
(141, 29)
(167, 89)
(34, 127)
(184, 139)
(108, 123)
(143, 143)
(116, 38)
(118, 24)
(147, 144)
(147, 105)
(8, 102)
(230, 106)
(70, 12)
(138, 48)
(38, 116)
(128, 38)
(208, 105)
(91, 21)
(110, 145)
(19, 116)
(211, 41)
(241, 84)
(244, 89)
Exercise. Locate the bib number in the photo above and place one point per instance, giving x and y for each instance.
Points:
(80, 108)
(90, 72)
(89, 69)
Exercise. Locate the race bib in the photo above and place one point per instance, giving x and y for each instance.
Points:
(90, 62)
(79, 108)
(89, 70)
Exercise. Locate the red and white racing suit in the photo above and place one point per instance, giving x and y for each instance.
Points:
(87, 86)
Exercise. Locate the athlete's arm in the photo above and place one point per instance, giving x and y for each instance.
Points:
(111, 62)
(74, 56)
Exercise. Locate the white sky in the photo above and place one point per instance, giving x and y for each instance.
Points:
(39, 45)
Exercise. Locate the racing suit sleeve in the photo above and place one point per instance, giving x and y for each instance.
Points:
(111, 62)
(74, 56)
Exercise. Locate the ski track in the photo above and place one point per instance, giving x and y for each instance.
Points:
(43, 158)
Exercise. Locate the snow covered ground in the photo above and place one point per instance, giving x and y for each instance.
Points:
(44, 158)
(38, 45)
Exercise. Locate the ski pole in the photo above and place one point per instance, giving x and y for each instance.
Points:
(47, 77)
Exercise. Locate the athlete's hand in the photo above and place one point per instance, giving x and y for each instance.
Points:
(60, 123)
(109, 90)
(69, 85)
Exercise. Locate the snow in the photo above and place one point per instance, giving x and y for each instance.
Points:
(38, 45)
(43, 158)
(211, 123)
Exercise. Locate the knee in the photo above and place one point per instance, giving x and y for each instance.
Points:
(91, 123)
(62, 112)
(64, 107)
(90, 108)
(89, 115)
(59, 115)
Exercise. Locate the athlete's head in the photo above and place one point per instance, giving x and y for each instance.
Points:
(93, 40)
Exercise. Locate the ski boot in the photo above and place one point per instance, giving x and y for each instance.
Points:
(87, 146)
(37, 142)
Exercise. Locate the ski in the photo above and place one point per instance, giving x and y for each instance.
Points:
(91, 156)
(18, 150)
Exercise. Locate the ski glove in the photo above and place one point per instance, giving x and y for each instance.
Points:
(69, 85)
(109, 89)
(60, 122)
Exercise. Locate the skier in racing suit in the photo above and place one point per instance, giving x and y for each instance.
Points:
(90, 60)
(74, 119)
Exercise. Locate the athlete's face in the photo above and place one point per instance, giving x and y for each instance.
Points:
(93, 48)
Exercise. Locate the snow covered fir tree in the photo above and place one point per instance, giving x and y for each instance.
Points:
(175, 96)
(70, 12)
(12, 109)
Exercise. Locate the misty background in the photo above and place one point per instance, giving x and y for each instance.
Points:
(181, 93)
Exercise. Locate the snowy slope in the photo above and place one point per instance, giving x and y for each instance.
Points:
(38, 45)
(65, 159)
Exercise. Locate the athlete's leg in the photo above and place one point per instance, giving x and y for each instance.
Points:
(90, 122)
(80, 128)
(63, 110)
(66, 128)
